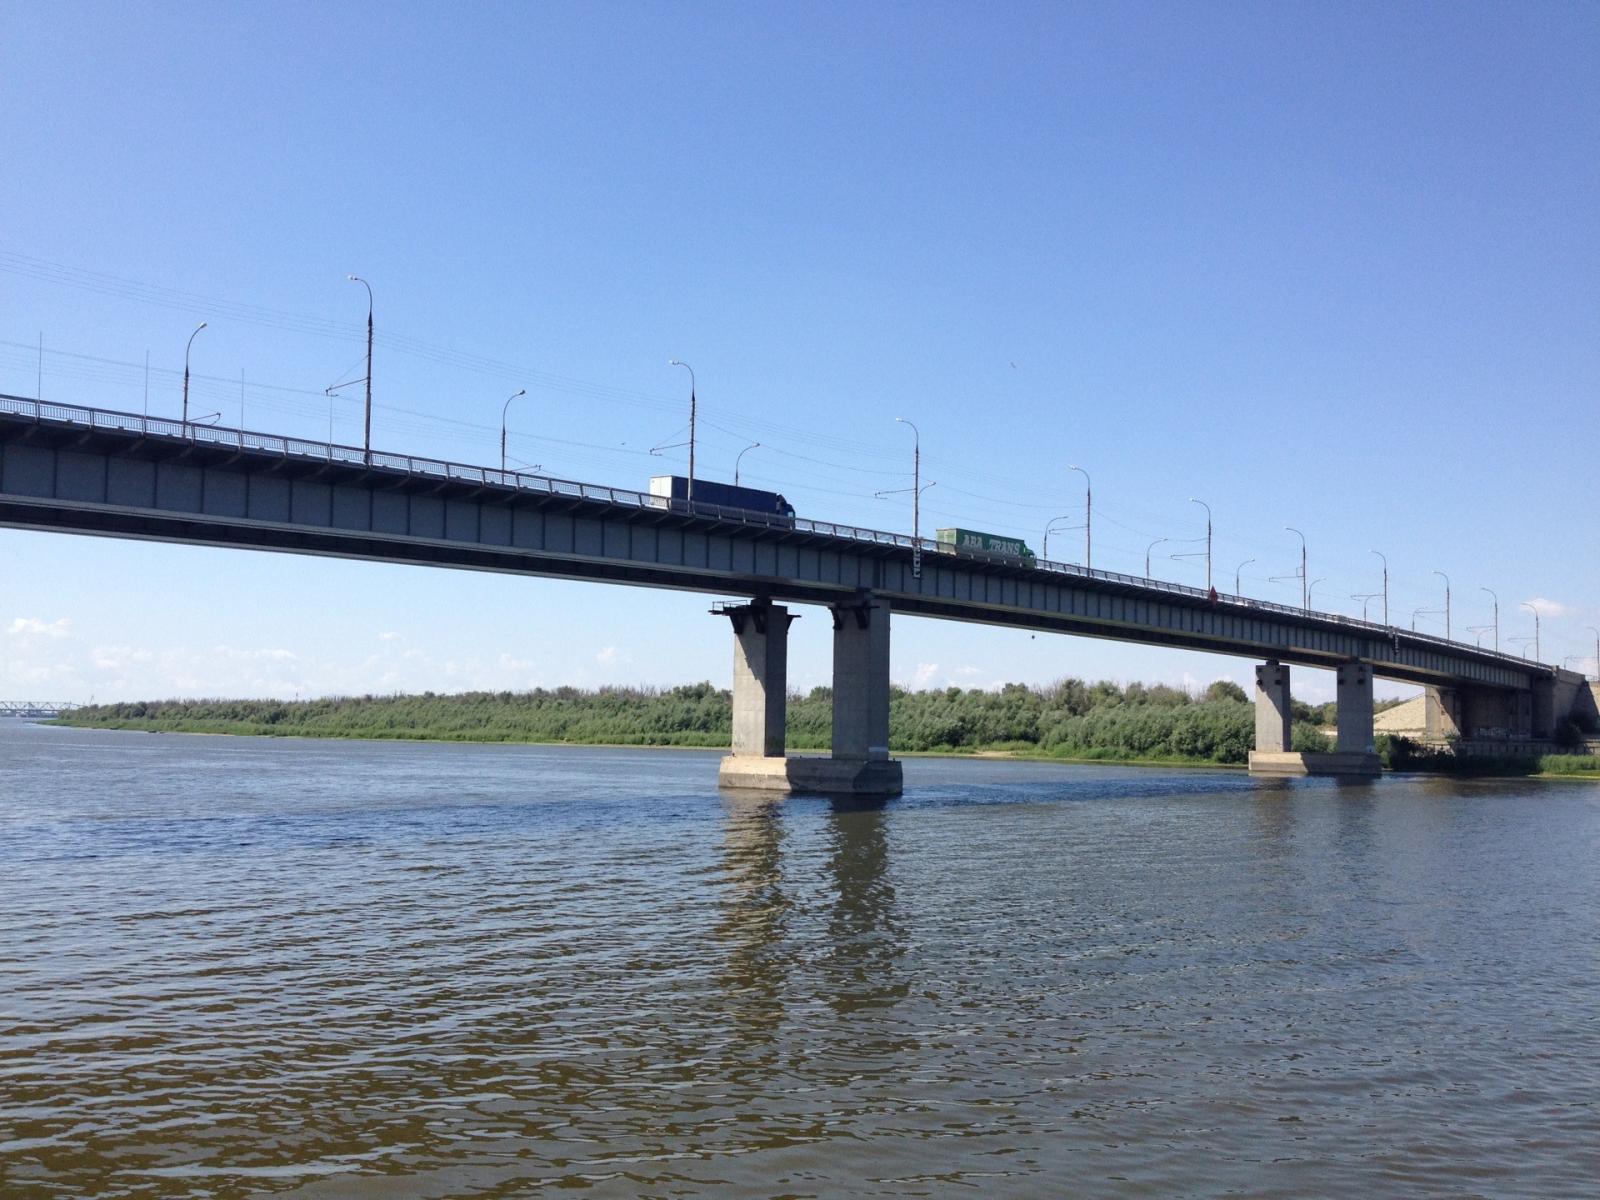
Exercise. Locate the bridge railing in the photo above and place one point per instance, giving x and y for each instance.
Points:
(328, 452)
(36, 708)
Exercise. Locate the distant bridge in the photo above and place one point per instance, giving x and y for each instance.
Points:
(35, 709)
(83, 470)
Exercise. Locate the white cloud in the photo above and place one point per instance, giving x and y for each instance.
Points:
(925, 673)
(1551, 608)
(610, 656)
(388, 636)
(119, 658)
(31, 626)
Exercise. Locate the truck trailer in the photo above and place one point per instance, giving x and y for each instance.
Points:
(675, 490)
(972, 541)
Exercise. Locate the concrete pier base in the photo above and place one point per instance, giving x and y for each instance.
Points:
(1294, 762)
(816, 776)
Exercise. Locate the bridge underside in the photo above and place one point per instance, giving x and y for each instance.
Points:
(1218, 629)
(95, 472)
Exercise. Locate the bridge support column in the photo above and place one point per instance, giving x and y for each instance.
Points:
(760, 691)
(1274, 753)
(1273, 717)
(861, 680)
(1521, 708)
(860, 764)
(1486, 714)
(760, 677)
(1441, 714)
(1354, 704)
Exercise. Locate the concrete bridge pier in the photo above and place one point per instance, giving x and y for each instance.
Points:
(1353, 703)
(760, 678)
(1274, 753)
(860, 764)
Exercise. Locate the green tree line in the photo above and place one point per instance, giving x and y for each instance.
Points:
(1070, 718)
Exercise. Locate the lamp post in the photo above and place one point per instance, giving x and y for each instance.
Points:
(1535, 613)
(1446, 579)
(1380, 554)
(504, 408)
(1054, 521)
(1414, 613)
(1207, 507)
(1596, 633)
(186, 350)
(674, 362)
(1365, 598)
(1496, 617)
(916, 497)
(1312, 588)
(1088, 517)
(366, 443)
(1236, 572)
(1305, 592)
(739, 457)
(1149, 548)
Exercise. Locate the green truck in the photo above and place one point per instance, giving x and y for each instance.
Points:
(983, 543)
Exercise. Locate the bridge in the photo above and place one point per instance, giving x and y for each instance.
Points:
(35, 710)
(81, 470)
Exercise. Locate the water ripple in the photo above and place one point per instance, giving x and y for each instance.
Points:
(249, 968)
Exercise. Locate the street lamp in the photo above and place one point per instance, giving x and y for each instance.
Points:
(1312, 588)
(1149, 548)
(1236, 573)
(186, 350)
(739, 457)
(1596, 633)
(1088, 518)
(1305, 592)
(673, 362)
(504, 408)
(1054, 521)
(1380, 554)
(1496, 617)
(1535, 613)
(1446, 579)
(366, 444)
(916, 497)
(1365, 598)
(1207, 507)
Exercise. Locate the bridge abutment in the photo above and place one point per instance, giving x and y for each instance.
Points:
(859, 764)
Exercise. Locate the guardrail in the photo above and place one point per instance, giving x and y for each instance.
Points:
(328, 452)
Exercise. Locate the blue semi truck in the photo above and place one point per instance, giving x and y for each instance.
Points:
(675, 488)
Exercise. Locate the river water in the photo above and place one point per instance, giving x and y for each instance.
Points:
(240, 967)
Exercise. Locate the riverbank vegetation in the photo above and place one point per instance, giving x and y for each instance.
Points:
(1404, 754)
(1068, 719)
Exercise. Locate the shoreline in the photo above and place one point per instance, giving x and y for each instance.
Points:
(993, 755)
(980, 754)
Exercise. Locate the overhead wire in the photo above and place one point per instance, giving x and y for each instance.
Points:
(288, 399)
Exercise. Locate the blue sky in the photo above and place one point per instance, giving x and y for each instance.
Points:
(1334, 267)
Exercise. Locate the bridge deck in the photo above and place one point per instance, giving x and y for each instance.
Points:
(93, 471)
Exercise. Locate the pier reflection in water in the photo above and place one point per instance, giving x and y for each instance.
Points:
(235, 967)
